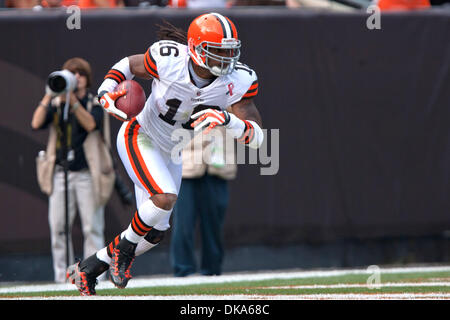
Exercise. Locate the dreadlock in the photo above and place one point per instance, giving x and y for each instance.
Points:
(168, 31)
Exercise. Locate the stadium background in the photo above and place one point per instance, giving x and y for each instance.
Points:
(364, 142)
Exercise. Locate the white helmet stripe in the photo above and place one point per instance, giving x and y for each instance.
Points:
(226, 27)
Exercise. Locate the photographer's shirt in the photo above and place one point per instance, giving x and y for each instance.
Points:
(76, 134)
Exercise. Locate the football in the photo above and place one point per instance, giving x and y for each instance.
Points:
(133, 101)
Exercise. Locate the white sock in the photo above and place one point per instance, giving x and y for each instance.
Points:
(103, 256)
(143, 246)
(151, 215)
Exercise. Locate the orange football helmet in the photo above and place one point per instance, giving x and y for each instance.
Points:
(213, 30)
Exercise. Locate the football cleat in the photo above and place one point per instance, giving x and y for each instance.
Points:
(83, 274)
(84, 282)
(121, 260)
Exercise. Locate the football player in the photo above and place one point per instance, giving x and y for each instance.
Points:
(198, 84)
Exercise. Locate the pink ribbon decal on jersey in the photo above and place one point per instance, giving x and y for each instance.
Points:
(230, 88)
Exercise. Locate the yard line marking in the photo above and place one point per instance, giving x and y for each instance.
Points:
(360, 285)
(341, 296)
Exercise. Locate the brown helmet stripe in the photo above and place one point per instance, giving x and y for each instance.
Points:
(225, 24)
(232, 28)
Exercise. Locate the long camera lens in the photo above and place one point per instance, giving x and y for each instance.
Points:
(62, 81)
(57, 83)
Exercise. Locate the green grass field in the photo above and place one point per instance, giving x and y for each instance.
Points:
(403, 284)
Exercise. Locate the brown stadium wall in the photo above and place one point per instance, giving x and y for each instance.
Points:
(363, 118)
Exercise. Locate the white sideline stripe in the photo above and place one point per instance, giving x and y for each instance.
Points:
(340, 296)
(172, 281)
(360, 285)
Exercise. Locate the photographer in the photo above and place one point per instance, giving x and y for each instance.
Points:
(85, 116)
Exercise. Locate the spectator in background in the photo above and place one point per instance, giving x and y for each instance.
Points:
(198, 3)
(203, 198)
(39, 3)
(440, 2)
(84, 4)
(223, 3)
(401, 5)
(143, 3)
(89, 4)
(319, 4)
(51, 3)
(257, 3)
(68, 3)
(54, 4)
(22, 4)
(85, 116)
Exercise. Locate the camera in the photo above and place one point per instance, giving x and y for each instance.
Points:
(62, 81)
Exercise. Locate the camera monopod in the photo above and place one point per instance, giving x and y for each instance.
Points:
(66, 174)
(59, 82)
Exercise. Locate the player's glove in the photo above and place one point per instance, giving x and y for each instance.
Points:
(210, 118)
(108, 99)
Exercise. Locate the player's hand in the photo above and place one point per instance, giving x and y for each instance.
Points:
(108, 99)
(209, 118)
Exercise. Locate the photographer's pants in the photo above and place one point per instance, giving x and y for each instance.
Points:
(81, 197)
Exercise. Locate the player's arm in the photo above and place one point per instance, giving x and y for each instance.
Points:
(242, 120)
(106, 94)
(246, 110)
(139, 65)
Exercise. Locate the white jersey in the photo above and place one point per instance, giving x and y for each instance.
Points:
(175, 98)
